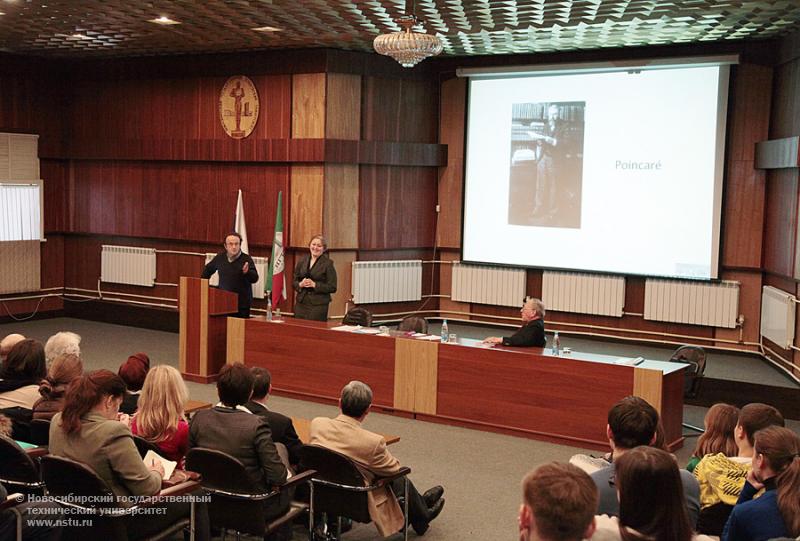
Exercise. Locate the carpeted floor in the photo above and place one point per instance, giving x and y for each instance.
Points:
(480, 471)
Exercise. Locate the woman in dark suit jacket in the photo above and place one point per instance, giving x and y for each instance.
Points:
(314, 281)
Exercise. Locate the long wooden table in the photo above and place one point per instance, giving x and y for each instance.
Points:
(521, 391)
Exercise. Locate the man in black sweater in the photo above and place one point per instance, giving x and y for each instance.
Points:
(531, 334)
(236, 272)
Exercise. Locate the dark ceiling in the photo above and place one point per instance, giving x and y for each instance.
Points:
(115, 28)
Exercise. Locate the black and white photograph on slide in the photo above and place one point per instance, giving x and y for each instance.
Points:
(545, 178)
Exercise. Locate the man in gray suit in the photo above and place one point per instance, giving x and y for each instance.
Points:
(232, 429)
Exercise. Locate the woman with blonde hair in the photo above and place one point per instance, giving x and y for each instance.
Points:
(160, 418)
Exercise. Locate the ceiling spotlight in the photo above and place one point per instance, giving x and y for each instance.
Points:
(80, 36)
(268, 29)
(164, 20)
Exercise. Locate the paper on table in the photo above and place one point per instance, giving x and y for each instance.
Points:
(168, 465)
(430, 337)
(346, 328)
(630, 362)
(367, 330)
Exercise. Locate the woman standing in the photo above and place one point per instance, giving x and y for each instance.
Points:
(314, 281)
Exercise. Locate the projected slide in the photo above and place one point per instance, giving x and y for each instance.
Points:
(546, 164)
(616, 172)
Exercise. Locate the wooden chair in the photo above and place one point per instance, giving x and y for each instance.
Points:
(236, 503)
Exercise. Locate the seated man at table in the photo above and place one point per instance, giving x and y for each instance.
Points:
(633, 422)
(232, 429)
(281, 426)
(531, 334)
(344, 435)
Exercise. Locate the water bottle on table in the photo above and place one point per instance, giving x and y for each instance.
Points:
(556, 345)
(445, 333)
(269, 308)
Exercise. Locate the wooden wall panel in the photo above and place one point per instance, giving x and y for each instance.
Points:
(397, 207)
(400, 110)
(306, 203)
(191, 201)
(452, 130)
(343, 107)
(785, 120)
(781, 221)
(749, 306)
(340, 206)
(343, 262)
(171, 109)
(308, 106)
(743, 211)
(33, 102)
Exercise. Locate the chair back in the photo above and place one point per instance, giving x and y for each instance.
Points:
(40, 432)
(17, 468)
(413, 324)
(695, 357)
(142, 445)
(20, 422)
(231, 489)
(336, 468)
(65, 477)
(358, 316)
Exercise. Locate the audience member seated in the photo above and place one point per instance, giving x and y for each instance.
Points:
(531, 334)
(133, 372)
(719, 422)
(61, 343)
(560, 501)
(7, 343)
(345, 435)
(62, 371)
(633, 422)
(229, 427)
(160, 418)
(6, 427)
(652, 505)
(722, 477)
(281, 426)
(87, 431)
(21, 374)
(32, 527)
(776, 469)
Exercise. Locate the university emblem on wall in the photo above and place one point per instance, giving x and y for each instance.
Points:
(238, 106)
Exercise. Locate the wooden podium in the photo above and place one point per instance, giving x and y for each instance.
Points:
(204, 313)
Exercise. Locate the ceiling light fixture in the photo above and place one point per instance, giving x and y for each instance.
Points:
(267, 29)
(80, 36)
(408, 47)
(163, 20)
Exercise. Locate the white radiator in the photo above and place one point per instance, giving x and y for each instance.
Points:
(777, 316)
(488, 285)
(387, 281)
(261, 267)
(128, 265)
(582, 293)
(696, 303)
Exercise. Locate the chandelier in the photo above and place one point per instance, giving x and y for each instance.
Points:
(407, 47)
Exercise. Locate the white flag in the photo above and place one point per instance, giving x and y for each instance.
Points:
(238, 223)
